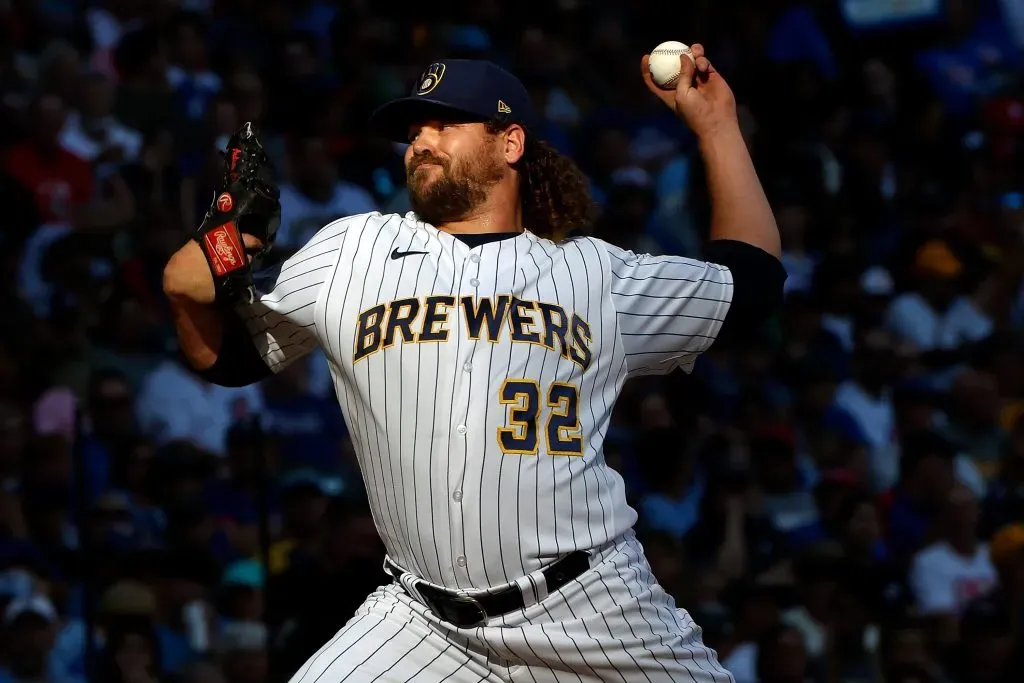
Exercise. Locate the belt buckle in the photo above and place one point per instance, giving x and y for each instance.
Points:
(458, 616)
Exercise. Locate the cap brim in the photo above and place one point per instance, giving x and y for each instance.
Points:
(393, 119)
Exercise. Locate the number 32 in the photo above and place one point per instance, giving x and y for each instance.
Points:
(562, 430)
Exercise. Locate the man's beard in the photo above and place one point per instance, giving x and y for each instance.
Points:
(455, 195)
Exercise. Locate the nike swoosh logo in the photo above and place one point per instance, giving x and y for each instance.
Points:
(395, 255)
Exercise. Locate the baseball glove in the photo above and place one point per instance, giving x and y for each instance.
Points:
(246, 203)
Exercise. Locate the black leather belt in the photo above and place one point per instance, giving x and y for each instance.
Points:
(467, 611)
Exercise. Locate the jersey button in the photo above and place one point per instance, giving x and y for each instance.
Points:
(461, 560)
(475, 258)
(457, 496)
(461, 429)
(474, 282)
(467, 366)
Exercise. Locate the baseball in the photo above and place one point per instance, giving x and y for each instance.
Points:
(663, 63)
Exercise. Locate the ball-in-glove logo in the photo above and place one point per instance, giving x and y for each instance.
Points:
(430, 78)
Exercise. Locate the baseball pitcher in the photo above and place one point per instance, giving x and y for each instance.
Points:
(477, 359)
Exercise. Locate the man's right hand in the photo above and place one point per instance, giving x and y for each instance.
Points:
(187, 275)
(701, 98)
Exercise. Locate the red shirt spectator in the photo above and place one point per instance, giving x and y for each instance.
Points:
(58, 179)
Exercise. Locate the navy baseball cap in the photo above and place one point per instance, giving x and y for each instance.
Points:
(476, 89)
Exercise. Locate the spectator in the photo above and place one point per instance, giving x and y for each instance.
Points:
(787, 499)
(854, 631)
(835, 488)
(1005, 500)
(145, 99)
(974, 59)
(304, 82)
(191, 529)
(860, 531)
(113, 425)
(867, 395)
(817, 572)
(949, 573)
(303, 503)
(795, 218)
(665, 554)
(243, 653)
(905, 655)
(132, 476)
(675, 483)
(757, 609)
(13, 435)
(91, 131)
(655, 412)
(781, 657)
(735, 533)
(106, 22)
(111, 526)
(974, 418)
(126, 614)
(1006, 551)
(248, 483)
(926, 480)
(188, 72)
(200, 672)
(837, 286)
(183, 594)
(308, 427)
(314, 196)
(181, 472)
(918, 408)
(989, 648)
(242, 593)
(175, 404)
(915, 409)
(60, 65)
(870, 560)
(61, 182)
(131, 654)
(29, 628)
(933, 315)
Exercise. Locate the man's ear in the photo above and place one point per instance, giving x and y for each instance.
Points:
(515, 144)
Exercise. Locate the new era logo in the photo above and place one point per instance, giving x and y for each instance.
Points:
(503, 108)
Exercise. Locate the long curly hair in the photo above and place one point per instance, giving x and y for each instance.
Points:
(554, 192)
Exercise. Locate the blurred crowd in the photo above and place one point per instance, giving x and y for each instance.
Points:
(838, 500)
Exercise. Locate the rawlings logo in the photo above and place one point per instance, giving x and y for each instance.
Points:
(222, 245)
(225, 202)
(224, 249)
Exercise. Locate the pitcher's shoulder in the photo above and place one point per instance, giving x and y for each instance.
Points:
(372, 219)
(590, 249)
(361, 222)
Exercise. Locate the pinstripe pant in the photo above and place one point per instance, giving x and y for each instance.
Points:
(613, 623)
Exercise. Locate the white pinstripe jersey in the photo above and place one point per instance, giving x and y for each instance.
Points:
(478, 383)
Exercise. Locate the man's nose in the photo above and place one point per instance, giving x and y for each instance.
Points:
(426, 138)
(421, 147)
